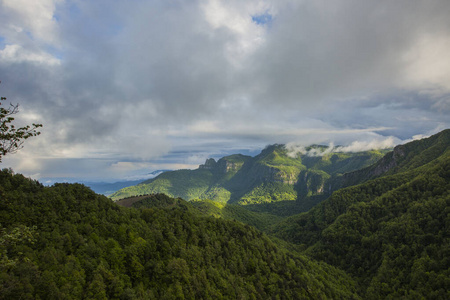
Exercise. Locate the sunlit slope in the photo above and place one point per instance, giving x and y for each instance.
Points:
(187, 184)
(392, 232)
(272, 176)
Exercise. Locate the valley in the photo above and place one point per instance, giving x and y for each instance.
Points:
(368, 225)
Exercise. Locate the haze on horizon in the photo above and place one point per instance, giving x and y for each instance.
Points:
(124, 88)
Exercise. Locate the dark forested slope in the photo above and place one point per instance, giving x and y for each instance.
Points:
(66, 242)
(391, 233)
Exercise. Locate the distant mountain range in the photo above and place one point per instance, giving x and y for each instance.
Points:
(108, 188)
(275, 175)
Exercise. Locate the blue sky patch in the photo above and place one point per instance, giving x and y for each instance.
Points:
(265, 18)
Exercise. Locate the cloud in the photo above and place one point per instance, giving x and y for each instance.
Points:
(16, 54)
(355, 146)
(358, 146)
(148, 81)
(33, 18)
(346, 49)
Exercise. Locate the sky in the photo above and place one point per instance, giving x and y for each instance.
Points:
(124, 88)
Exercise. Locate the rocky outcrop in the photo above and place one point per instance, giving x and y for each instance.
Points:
(264, 173)
(312, 183)
(388, 162)
(225, 166)
(209, 164)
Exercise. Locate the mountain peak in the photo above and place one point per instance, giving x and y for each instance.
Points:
(209, 164)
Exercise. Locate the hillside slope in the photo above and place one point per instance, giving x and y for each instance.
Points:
(392, 232)
(270, 177)
(66, 242)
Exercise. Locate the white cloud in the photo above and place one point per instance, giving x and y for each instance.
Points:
(236, 17)
(35, 17)
(174, 81)
(17, 54)
(428, 63)
(358, 146)
(373, 143)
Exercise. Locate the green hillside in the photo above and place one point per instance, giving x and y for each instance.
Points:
(383, 236)
(272, 176)
(392, 232)
(403, 158)
(66, 242)
(260, 221)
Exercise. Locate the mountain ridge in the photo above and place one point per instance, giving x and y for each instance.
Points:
(391, 231)
(270, 176)
(403, 157)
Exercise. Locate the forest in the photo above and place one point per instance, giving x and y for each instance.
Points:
(385, 236)
(66, 242)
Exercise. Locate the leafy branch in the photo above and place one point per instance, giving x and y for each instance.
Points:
(12, 138)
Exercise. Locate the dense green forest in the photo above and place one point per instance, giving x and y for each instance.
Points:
(66, 242)
(392, 233)
(384, 235)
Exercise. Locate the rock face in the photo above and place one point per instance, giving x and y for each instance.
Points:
(312, 183)
(225, 166)
(210, 164)
(388, 162)
(276, 175)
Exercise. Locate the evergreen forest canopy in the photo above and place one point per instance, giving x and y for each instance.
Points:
(66, 242)
(382, 231)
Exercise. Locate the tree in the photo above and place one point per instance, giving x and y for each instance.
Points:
(12, 138)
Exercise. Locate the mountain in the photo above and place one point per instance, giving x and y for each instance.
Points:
(404, 157)
(66, 242)
(390, 232)
(382, 234)
(207, 207)
(107, 188)
(275, 175)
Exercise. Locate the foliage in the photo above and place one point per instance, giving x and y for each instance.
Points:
(269, 192)
(70, 243)
(391, 233)
(12, 138)
(187, 184)
(259, 220)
